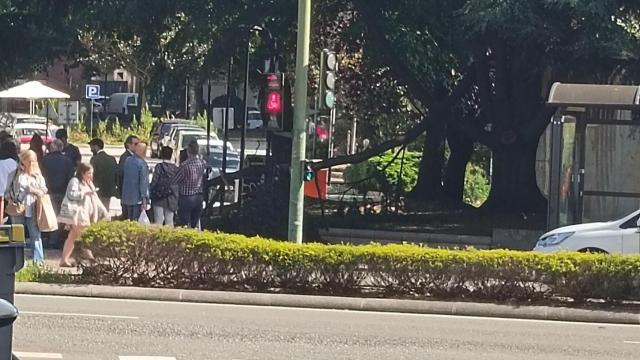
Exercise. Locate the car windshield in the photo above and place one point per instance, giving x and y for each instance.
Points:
(254, 116)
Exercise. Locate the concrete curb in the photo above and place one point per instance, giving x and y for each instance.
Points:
(336, 303)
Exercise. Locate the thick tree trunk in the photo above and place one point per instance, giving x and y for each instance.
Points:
(514, 186)
(461, 151)
(429, 185)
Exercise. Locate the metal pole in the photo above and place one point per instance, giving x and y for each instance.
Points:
(91, 121)
(315, 127)
(47, 129)
(209, 116)
(226, 131)
(243, 134)
(296, 192)
(354, 128)
(186, 99)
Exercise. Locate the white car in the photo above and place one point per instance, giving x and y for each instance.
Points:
(23, 132)
(620, 236)
(254, 120)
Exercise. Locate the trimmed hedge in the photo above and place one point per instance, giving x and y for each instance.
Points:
(129, 254)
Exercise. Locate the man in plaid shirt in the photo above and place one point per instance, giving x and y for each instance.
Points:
(190, 179)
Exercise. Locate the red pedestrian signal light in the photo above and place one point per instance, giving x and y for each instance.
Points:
(274, 102)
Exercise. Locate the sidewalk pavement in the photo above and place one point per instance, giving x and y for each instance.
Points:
(624, 316)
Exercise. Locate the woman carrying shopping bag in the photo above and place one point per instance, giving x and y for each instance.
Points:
(26, 188)
(80, 208)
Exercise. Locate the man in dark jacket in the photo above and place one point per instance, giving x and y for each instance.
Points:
(70, 150)
(57, 170)
(105, 172)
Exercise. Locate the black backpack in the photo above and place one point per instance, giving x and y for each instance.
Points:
(162, 188)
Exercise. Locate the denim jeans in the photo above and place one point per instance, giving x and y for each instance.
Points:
(162, 216)
(190, 210)
(35, 237)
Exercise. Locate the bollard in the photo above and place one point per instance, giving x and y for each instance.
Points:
(11, 261)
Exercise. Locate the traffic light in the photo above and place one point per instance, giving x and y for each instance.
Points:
(328, 70)
(309, 174)
(273, 94)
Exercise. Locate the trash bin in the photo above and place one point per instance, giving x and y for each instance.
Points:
(11, 261)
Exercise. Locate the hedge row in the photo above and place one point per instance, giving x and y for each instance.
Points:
(129, 254)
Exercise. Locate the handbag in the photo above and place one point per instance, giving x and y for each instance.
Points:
(45, 215)
(14, 207)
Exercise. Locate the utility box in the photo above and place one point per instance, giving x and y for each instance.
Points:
(218, 118)
(11, 261)
(317, 188)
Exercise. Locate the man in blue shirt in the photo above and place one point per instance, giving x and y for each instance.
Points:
(135, 182)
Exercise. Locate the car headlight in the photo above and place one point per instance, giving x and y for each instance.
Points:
(554, 239)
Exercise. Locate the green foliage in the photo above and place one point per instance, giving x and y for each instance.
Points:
(112, 132)
(476, 185)
(32, 273)
(130, 254)
(201, 121)
(383, 172)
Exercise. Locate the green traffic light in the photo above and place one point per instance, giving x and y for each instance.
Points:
(309, 174)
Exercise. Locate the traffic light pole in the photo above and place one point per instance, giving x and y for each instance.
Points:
(296, 193)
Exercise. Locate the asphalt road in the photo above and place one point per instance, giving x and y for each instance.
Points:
(77, 328)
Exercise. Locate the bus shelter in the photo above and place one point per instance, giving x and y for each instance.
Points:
(594, 169)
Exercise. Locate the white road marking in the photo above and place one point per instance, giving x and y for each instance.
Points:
(79, 315)
(355, 312)
(146, 358)
(632, 342)
(36, 355)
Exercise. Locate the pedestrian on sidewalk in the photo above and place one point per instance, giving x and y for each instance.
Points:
(81, 207)
(164, 195)
(129, 147)
(135, 183)
(27, 186)
(58, 170)
(105, 169)
(189, 179)
(37, 145)
(8, 167)
(69, 150)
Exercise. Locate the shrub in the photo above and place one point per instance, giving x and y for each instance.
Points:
(383, 172)
(130, 254)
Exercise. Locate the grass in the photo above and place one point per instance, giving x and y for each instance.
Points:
(42, 274)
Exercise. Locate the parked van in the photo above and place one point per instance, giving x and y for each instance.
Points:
(123, 104)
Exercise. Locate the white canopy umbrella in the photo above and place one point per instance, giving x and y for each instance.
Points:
(33, 90)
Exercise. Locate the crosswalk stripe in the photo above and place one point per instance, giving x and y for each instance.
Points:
(146, 358)
(36, 355)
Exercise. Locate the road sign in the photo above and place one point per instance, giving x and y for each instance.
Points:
(92, 91)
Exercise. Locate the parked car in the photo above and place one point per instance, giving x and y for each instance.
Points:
(214, 160)
(8, 120)
(23, 132)
(160, 130)
(620, 236)
(185, 136)
(254, 120)
(171, 139)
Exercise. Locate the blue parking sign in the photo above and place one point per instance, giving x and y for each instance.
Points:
(92, 91)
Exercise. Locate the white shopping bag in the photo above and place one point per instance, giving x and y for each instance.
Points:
(144, 219)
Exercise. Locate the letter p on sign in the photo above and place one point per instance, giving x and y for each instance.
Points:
(92, 91)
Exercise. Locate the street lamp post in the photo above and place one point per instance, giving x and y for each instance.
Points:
(243, 134)
(296, 191)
